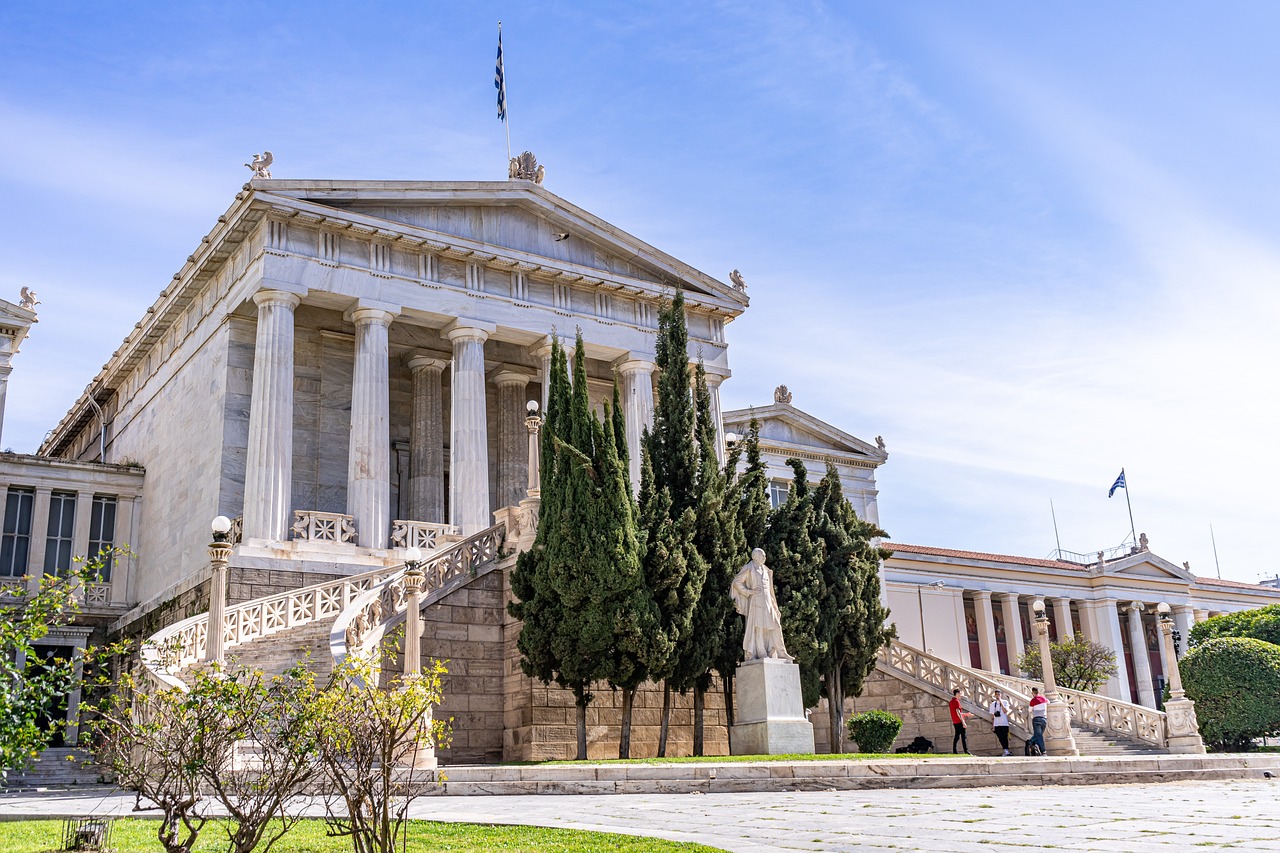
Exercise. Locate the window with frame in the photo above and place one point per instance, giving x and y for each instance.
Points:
(62, 526)
(102, 534)
(778, 492)
(15, 543)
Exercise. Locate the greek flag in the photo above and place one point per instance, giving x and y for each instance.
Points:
(1118, 484)
(500, 82)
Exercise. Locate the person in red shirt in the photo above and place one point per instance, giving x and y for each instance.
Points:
(1039, 721)
(958, 723)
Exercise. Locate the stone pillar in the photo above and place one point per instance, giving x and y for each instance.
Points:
(986, 630)
(426, 440)
(1182, 727)
(1062, 616)
(369, 462)
(1183, 619)
(268, 475)
(1201, 615)
(469, 446)
(219, 554)
(532, 425)
(1109, 623)
(542, 352)
(1012, 629)
(713, 388)
(1058, 737)
(637, 402)
(1141, 662)
(413, 580)
(513, 438)
(5, 370)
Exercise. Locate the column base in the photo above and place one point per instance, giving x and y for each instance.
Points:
(1183, 729)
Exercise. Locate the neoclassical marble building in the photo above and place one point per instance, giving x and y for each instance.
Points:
(346, 368)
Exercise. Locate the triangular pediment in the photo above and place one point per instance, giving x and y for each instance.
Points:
(1145, 564)
(518, 216)
(786, 427)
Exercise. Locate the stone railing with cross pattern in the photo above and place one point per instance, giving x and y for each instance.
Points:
(1102, 713)
(362, 626)
(173, 649)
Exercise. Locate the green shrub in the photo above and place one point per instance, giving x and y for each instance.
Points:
(1235, 683)
(1260, 624)
(874, 731)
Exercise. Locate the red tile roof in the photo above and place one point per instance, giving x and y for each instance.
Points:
(1256, 587)
(901, 548)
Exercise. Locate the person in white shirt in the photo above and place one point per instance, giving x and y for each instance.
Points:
(1000, 721)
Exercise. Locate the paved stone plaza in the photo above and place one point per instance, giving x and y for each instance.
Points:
(1168, 817)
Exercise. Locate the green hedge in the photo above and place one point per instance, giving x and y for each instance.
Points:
(874, 731)
(1235, 683)
(1260, 624)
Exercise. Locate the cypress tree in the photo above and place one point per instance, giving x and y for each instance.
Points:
(581, 586)
(674, 570)
(795, 554)
(854, 619)
(718, 539)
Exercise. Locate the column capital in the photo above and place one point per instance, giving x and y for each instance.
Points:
(542, 349)
(462, 329)
(636, 362)
(984, 594)
(510, 376)
(1008, 596)
(365, 313)
(422, 360)
(1136, 607)
(270, 296)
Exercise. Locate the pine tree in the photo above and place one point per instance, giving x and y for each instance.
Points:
(795, 554)
(718, 539)
(674, 570)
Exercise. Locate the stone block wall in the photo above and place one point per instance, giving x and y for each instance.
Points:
(921, 712)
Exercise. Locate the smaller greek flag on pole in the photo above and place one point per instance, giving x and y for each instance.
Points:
(500, 81)
(1118, 484)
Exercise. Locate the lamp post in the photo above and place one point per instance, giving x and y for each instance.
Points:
(532, 423)
(413, 581)
(1181, 726)
(1058, 737)
(219, 554)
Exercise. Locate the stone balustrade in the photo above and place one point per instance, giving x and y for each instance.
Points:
(361, 627)
(182, 644)
(978, 687)
(314, 526)
(424, 535)
(1102, 713)
(96, 594)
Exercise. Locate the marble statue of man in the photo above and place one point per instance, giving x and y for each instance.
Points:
(753, 597)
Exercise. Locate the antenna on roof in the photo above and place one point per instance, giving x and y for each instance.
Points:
(1056, 540)
(1215, 551)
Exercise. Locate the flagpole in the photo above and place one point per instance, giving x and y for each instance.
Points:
(506, 121)
(1055, 528)
(1214, 540)
(1132, 530)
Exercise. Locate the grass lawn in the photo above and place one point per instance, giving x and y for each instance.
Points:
(725, 759)
(136, 835)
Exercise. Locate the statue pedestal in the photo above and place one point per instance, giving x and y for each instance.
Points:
(1183, 729)
(769, 710)
(1058, 737)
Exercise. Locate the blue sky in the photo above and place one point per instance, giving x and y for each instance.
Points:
(1027, 246)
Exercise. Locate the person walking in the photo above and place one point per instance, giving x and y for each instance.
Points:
(1039, 721)
(958, 723)
(1000, 721)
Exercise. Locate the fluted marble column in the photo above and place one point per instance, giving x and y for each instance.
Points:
(1013, 641)
(469, 445)
(1183, 619)
(713, 388)
(1141, 660)
(542, 352)
(1107, 617)
(369, 465)
(426, 440)
(268, 474)
(1062, 619)
(637, 402)
(513, 438)
(986, 631)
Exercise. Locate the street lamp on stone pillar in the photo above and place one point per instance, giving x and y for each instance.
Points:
(731, 440)
(413, 580)
(219, 554)
(1181, 726)
(1058, 737)
(532, 423)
